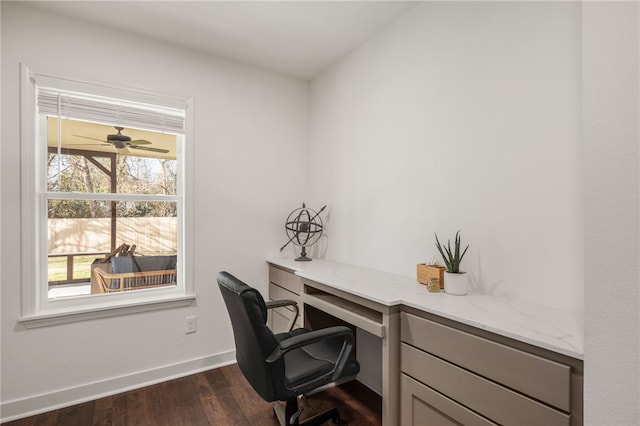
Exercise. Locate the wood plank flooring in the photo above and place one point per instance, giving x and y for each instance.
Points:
(215, 397)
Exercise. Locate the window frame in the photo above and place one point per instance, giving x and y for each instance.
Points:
(37, 309)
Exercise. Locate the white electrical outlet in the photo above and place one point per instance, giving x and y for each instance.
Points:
(190, 324)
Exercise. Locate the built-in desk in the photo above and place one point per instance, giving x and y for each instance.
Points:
(508, 352)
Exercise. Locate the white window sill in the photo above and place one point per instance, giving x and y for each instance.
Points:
(48, 319)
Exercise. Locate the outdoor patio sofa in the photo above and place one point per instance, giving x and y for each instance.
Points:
(133, 273)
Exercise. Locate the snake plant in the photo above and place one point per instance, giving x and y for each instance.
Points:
(451, 258)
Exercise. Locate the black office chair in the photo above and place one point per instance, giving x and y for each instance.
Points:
(283, 366)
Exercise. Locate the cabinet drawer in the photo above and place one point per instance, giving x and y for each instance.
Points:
(279, 318)
(285, 279)
(279, 293)
(502, 405)
(422, 405)
(543, 379)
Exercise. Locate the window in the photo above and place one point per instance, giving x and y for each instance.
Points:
(106, 191)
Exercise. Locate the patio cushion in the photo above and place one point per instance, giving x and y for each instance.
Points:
(124, 264)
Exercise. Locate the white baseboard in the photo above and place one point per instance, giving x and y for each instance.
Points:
(32, 405)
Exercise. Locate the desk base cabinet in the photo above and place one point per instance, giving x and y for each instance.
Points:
(452, 376)
(440, 372)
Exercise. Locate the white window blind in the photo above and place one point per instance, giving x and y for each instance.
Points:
(111, 111)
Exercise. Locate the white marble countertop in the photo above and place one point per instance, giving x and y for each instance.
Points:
(553, 329)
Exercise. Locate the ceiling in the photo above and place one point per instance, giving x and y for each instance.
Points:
(298, 38)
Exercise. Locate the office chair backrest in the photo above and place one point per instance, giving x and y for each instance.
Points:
(254, 340)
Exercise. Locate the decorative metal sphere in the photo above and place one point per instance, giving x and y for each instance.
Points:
(304, 228)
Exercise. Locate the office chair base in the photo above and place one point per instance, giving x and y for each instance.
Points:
(282, 412)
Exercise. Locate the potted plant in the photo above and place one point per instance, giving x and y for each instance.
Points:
(455, 281)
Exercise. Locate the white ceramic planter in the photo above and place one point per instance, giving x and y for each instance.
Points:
(457, 284)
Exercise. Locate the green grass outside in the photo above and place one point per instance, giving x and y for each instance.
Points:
(81, 268)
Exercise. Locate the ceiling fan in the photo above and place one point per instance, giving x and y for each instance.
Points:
(121, 141)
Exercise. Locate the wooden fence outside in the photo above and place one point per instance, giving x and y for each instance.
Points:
(149, 234)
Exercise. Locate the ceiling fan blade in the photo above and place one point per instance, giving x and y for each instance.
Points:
(90, 144)
(94, 139)
(147, 148)
(139, 142)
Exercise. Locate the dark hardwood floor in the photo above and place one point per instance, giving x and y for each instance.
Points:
(215, 397)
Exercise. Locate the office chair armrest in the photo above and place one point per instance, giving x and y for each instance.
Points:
(282, 303)
(316, 336)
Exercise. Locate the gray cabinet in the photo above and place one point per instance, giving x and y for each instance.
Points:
(422, 405)
(457, 376)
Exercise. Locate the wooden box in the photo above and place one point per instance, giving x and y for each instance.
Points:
(426, 272)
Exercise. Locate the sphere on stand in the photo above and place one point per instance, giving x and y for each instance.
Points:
(304, 228)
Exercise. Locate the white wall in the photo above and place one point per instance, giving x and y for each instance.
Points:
(250, 129)
(461, 115)
(486, 93)
(611, 56)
